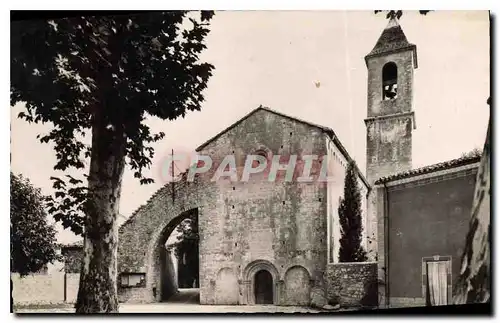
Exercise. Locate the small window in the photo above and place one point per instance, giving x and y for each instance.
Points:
(389, 81)
(133, 280)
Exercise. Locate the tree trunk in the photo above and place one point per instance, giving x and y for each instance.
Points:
(473, 285)
(11, 292)
(97, 292)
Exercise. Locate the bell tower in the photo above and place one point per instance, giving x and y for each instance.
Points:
(390, 119)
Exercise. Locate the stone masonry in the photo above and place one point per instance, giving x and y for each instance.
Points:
(244, 227)
(389, 123)
(288, 231)
(353, 284)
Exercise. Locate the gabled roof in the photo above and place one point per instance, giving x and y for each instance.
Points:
(430, 169)
(260, 108)
(326, 130)
(392, 40)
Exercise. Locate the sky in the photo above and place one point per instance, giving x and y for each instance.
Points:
(310, 65)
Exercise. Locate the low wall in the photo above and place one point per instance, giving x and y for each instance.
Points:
(72, 283)
(396, 302)
(352, 284)
(38, 289)
(135, 295)
(44, 288)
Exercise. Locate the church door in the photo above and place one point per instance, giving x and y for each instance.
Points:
(263, 287)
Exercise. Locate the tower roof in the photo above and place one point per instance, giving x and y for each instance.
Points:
(391, 40)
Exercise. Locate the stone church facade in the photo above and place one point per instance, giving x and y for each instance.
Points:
(277, 242)
(245, 228)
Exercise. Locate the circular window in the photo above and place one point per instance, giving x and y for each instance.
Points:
(261, 152)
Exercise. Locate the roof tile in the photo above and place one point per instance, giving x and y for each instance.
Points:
(391, 39)
(430, 168)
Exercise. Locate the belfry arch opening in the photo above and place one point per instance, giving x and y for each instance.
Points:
(177, 261)
(389, 81)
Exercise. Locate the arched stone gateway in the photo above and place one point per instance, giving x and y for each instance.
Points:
(161, 273)
(241, 223)
(141, 248)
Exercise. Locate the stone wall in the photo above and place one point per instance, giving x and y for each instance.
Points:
(403, 103)
(72, 259)
(352, 284)
(389, 146)
(474, 283)
(241, 224)
(390, 122)
(38, 289)
(143, 236)
(282, 223)
(388, 131)
(45, 289)
(72, 284)
(170, 283)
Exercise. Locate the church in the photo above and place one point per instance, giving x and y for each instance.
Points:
(263, 242)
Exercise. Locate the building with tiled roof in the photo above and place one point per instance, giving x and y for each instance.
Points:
(443, 166)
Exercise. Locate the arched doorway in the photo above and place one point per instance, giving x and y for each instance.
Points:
(261, 280)
(263, 287)
(175, 270)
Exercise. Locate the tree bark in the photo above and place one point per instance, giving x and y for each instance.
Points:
(97, 292)
(11, 292)
(473, 285)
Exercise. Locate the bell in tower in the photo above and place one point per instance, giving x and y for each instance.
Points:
(390, 118)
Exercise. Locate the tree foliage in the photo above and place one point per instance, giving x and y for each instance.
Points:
(476, 152)
(188, 244)
(105, 75)
(126, 67)
(188, 229)
(398, 13)
(32, 238)
(350, 219)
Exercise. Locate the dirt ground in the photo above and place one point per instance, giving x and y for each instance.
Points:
(185, 302)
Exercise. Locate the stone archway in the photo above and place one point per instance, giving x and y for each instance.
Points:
(160, 274)
(262, 268)
(145, 230)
